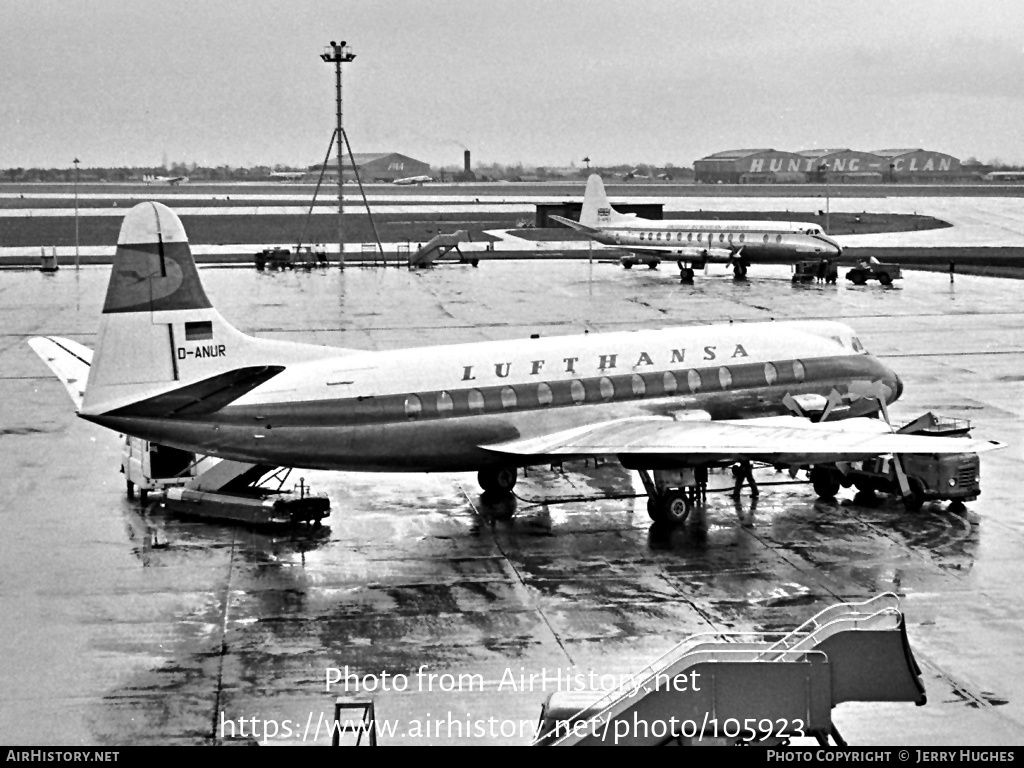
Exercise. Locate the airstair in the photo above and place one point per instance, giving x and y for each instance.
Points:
(438, 246)
(728, 689)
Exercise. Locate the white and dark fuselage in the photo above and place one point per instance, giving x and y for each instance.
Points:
(699, 241)
(722, 241)
(437, 408)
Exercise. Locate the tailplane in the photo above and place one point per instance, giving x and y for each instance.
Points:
(597, 211)
(159, 332)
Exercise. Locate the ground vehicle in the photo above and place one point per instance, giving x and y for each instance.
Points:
(630, 261)
(874, 269)
(932, 477)
(150, 467)
(811, 269)
(282, 258)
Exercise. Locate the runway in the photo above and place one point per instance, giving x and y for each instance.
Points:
(131, 626)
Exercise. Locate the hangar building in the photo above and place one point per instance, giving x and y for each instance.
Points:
(839, 166)
(750, 166)
(378, 166)
(759, 166)
(919, 165)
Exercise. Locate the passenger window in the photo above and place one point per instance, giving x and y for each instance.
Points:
(699, 236)
(693, 379)
(544, 396)
(577, 391)
(778, 238)
(766, 238)
(668, 382)
(771, 374)
(679, 237)
(799, 372)
(413, 407)
(476, 400)
(444, 403)
(508, 397)
(725, 377)
(639, 388)
(741, 238)
(721, 237)
(689, 237)
(730, 237)
(607, 388)
(642, 235)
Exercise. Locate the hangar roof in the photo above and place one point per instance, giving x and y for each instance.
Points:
(735, 154)
(895, 152)
(822, 152)
(362, 158)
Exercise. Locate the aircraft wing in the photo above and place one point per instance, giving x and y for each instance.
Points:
(69, 362)
(775, 439)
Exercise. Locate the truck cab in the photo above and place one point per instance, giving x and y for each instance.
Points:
(150, 466)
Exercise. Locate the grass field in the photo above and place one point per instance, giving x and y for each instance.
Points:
(411, 227)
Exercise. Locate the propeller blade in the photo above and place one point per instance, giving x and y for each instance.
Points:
(792, 405)
(834, 399)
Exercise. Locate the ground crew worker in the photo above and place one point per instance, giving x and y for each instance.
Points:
(742, 471)
(952, 268)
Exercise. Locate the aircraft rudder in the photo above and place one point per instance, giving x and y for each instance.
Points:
(597, 211)
(153, 267)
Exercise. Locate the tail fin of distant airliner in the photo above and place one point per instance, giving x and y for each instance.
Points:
(159, 332)
(597, 211)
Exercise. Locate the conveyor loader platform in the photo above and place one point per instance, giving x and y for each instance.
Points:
(728, 689)
(438, 246)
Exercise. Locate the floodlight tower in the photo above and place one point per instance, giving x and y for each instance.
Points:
(339, 53)
(75, 163)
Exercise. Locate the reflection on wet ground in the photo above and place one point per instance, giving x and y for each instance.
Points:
(129, 625)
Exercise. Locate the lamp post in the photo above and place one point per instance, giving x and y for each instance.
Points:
(75, 163)
(339, 53)
(823, 170)
(587, 161)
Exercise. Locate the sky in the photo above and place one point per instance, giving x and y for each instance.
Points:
(240, 82)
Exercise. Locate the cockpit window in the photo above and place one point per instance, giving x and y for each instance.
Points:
(858, 347)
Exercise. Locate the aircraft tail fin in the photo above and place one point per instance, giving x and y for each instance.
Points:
(597, 211)
(159, 332)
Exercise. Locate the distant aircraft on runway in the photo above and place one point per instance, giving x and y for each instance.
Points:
(287, 175)
(170, 369)
(169, 180)
(695, 243)
(412, 180)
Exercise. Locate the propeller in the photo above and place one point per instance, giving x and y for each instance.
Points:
(897, 464)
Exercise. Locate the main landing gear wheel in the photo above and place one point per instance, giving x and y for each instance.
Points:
(826, 485)
(686, 275)
(915, 499)
(739, 272)
(627, 265)
(671, 507)
(500, 480)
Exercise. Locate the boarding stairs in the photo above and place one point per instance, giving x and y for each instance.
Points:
(847, 652)
(438, 246)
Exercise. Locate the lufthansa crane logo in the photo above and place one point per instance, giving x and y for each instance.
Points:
(604, 213)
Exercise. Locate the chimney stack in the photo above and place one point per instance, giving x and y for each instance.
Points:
(465, 159)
